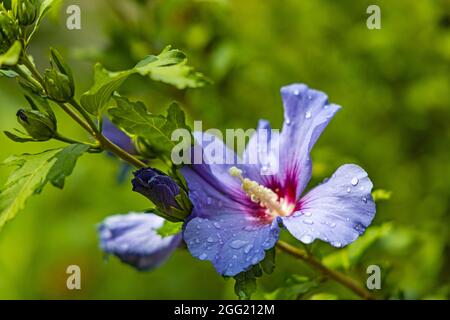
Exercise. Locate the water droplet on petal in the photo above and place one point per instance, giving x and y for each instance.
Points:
(364, 199)
(203, 256)
(209, 200)
(210, 240)
(354, 181)
(307, 214)
(248, 248)
(288, 121)
(308, 115)
(349, 190)
(296, 92)
(308, 221)
(332, 225)
(306, 239)
(237, 244)
(217, 225)
(336, 244)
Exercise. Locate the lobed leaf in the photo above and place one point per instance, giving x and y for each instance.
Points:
(32, 174)
(156, 130)
(168, 67)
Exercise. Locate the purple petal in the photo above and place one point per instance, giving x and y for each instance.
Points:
(117, 136)
(261, 156)
(232, 241)
(211, 187)
(133, 238)
(337, 211)
(306, 114)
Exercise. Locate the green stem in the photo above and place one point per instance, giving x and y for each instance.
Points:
(62, 138)
(335, 275)
(87, 123)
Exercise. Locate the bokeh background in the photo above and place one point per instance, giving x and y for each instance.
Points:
(393, 85)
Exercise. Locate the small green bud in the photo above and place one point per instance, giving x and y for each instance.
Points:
(9, 30)
(25, 11)
(58, 81)
(38, 125)
(58, 86)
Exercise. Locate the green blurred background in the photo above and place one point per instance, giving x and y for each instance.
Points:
(393, 85)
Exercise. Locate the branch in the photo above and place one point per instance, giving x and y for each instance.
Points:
(335, 275)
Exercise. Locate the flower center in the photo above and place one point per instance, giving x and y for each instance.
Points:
(265, 197)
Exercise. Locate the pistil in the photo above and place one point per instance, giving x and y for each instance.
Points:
(262, 195)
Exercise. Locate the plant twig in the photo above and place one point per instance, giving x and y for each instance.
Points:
(335, 275)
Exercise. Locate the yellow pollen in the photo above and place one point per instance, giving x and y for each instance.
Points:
(262, 195)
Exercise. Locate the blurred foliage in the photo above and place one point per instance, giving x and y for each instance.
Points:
(393, 84)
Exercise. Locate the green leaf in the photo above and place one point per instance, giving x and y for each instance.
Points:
(17, 138)
(65, 163)
(381, 194)
(156, 130)
(295, 287)
(105, 83)
(46, 6)
(8, 73)
(245, 284)
(168, 67)
(32, 174)
(29, 178)
(170, 228)
(268, 264)
(11, 57)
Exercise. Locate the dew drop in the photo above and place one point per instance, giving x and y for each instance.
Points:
(217, 225)
(248, 248)
(349, 190)
(203, 256)
(306, 239)
(296, 92)
(237, 244)
(308, 221)
(354, 181)
(364, 199)
(210, 240)
(308, 115)
(337, 244)
(288, 121)
(332, 225)
(307, 214)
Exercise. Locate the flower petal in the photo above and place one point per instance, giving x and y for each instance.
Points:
(211, 187)
(232, 241)
(261, 156)
(133, 238)
(337, 211)
(306, 114)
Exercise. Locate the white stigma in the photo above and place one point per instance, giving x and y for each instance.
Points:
(264, 196)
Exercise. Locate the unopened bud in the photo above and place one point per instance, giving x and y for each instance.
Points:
(39, 125)
(25, 11)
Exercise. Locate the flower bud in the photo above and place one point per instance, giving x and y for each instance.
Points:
(25, 11)
(9, 31)
(39, 126)
(163, 191)
(58, 85)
